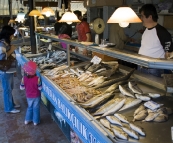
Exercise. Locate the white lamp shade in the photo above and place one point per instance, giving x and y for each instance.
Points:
(20, 20)
(124, 15)
(47, 11)
(69, 17)
(35, 13)
(21, 15)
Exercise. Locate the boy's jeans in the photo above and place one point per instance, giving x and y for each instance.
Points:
(33, 110)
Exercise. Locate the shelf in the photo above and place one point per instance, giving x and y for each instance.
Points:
(119, 54)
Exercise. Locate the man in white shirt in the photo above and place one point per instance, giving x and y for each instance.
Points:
(156, 40)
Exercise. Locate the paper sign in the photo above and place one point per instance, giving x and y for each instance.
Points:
(151, 105)
(96, 60)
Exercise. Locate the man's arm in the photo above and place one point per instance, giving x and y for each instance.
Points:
(88, 35)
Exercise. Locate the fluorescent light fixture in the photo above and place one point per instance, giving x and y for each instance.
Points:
(124, 16)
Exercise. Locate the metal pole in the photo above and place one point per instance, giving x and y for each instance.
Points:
(32, 28)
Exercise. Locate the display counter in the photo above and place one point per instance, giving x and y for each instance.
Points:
(89, 129)
(119, 54)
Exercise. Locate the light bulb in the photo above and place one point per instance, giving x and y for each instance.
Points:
(69, 22)
(47, 14)
(123, 24)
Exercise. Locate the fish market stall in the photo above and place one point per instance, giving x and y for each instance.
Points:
(107, 102)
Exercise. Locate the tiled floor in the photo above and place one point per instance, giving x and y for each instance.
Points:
(13, 129)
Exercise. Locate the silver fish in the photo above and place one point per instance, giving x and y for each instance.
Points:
(154, 95)
(80, 70)
(104, 108)
(125, 91)
(102, 69)
(142, 97)
(119, 133)
(115, 108)
(76, 73)
(97, 80)
(151, 116)
(161, 118)
(121, 118)
(114, 120)
(137, 129)
(169, 110)
(131, 104)
(140, 108)
(115, 86)
(134, 88)
(96, 100)
(141, 115)
(130, 132)
(112, 81)
(105, 123)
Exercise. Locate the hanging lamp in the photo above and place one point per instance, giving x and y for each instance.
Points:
(48, 11)
(41, 17)
(124, 16)
(34, 13)
(69, 17)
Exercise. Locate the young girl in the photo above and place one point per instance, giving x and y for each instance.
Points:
(32, 85)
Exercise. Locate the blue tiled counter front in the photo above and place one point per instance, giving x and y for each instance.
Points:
(87, 130)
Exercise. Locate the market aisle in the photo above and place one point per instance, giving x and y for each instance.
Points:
(13, 129)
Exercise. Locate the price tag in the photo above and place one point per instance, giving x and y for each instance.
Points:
(96, 60)
(152, 105)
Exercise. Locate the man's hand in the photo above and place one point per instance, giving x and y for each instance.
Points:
(85, 52)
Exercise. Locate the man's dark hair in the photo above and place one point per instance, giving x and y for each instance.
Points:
(149, 9)
(78, 13)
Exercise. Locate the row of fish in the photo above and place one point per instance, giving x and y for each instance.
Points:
(159, 115)
(118, 125)
(135, 92)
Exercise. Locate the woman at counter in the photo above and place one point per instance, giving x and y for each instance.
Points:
(156, 40)
(6, 49)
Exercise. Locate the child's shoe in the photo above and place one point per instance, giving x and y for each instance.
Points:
(26, 122)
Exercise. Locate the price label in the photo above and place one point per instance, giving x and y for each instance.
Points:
(96, 60)
(151, 105)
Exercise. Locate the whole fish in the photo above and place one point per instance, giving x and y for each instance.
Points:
(153, 95)
(151, 116)
(130, 132)
(141, 115)
(142, 97)
(125, 91)
(115, 108)
(115, 86)
(169, 110)
(96, 100)
(109, 72)
(131, 104)
(112, 81)
(114, 120)
(94, 68)
(134, 88)
(105, 123)
(75, 72)
(119, 133)
(97, 80)
(161, 118)
(137, 129)
(80, 70)
(104, 108)
(140, 108)
(102, 69)
(87, 66)
(121, 118)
